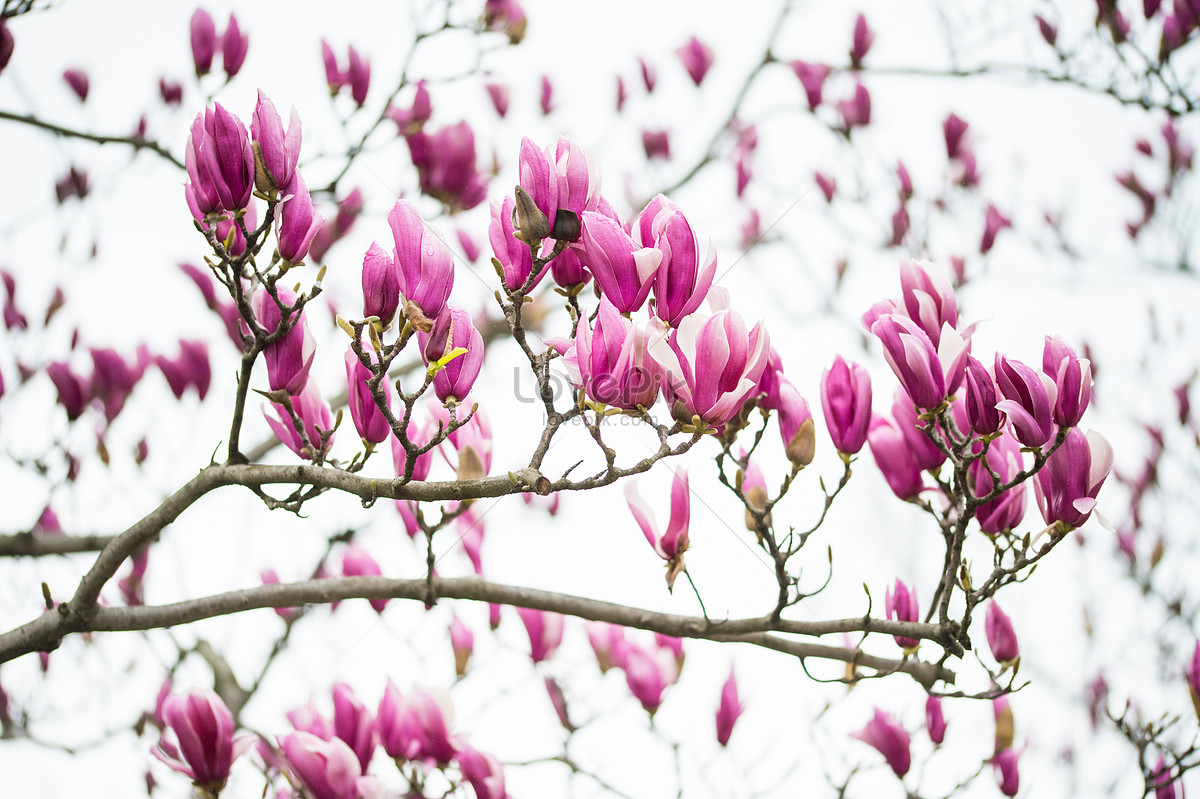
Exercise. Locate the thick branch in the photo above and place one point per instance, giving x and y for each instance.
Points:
(46, 631)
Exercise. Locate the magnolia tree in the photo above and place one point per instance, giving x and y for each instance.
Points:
(483, 268)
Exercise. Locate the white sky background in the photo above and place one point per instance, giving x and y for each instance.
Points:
(1063, 147)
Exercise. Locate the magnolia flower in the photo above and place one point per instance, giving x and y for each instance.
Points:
(1067, 485)
(885, 734)
(671, 545)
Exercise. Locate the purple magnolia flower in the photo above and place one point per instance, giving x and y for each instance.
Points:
(539, 179)
(369, 421)
(670, 545)
(1005, 459)
(647, 674)
(380, 285)
(453, 329)
(982, 397)
(609, 361)
(683, 278)
(424, 265)
(73, 392)
(314, 415)
(276, 153)
(234, 45)
(546, 98)
(514, 255)
(1072, 378)
(993, 222)
(812, 78)
(358, 75)
(697, 57)
(935, 722)
(925, 453)
(445, 163)
(295, 223)
(203, 747)
(1029, 400)
(953, 129)
(728, 710)
(623, 270)
(462, 641)
(578, 177)
(863, 37)
(1067, 485)
(353, 723)
(846, 401)
(1005, 766)
(498, 93)
(885, 734)
(327, 769)
(919, 367)
(795, 424)
(289, 358)
(113, 378)
(545, 632)
(1001, 638)
(77, 79)
(928, 298)
(219, 161)
(357, 562)
(483, 771)
(334, 77)
(191, 368)
(568, 269)
(204, 41)
(901, 604)
(893, 458)
(656, 143)
(712, 365)
(856, 111)
(417, 726)
(606, 640)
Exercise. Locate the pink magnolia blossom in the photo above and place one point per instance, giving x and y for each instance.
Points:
(276, 153)
(452, 330)
(656, 143)
(327, 769)
(901, 604)
(1005, 460)
(993, 222)
(1072, 378)
(856, 111)
(729, 709)
(296, 224)
(380, 285)
(623, 269)
(697, 57)
(445, 162)
(219, 161)
(812, 78)
(483, 771)
(795, 425)
(894, 459)
(1193, 679)
(190, 369)
(357, 562)
(982, 397)
(203, 746)
(846, 401)
(1005, 766)
(1001, 638)
(1029, 400)
(1067, 485)
(606, 640)
(417, 726)
(462, 641)
(545, 632)
(683, 277)
(916, 431)
(609, 361)
(204, 41)
(353, 723)
(290, 357)
(315, 417)
(863, 37)
(885, 734)
(954, 129)
(647, 673)
(712, 365)
(935, 721)
(928, 298)
(234, 45)
(424, 265)
(671, 544)
(77, 79)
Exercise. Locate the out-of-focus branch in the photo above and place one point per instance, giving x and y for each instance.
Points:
(29, 545)
(46, 631)
(132, 141)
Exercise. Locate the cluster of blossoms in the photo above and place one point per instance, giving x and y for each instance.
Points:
(325, 758)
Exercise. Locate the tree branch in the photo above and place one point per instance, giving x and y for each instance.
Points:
(47, 631)
(29, 545)
(134, 142)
